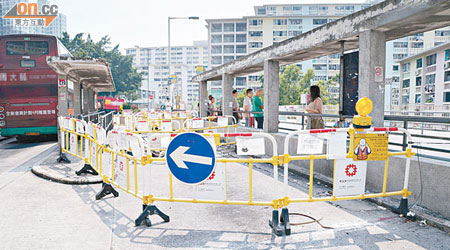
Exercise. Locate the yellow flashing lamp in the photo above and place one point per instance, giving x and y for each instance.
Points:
(364, 106)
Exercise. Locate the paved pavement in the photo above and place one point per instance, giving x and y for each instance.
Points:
(39, 214)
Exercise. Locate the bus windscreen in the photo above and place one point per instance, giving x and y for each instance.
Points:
(27, 48)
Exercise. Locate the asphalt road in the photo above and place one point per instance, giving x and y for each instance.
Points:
(39, 214)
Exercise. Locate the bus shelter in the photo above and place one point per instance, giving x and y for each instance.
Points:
(79, 82)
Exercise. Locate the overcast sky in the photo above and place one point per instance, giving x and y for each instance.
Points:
(144, 22)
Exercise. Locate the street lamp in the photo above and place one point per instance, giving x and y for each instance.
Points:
(168, 49)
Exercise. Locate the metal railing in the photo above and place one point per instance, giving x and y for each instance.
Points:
(91, 117)
(425, 124)
(100, 118)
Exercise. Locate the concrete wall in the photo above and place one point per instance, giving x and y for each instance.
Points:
(435, 183)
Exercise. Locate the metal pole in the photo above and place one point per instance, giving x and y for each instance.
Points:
(168, 60)
(341, 80)
(405, 142)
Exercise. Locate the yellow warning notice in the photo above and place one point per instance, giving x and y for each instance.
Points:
(371, 147)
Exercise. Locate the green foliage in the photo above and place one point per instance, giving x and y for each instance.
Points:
(293, 83)
(240, 98)
(126, 78)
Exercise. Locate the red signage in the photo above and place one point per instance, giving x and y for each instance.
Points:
(151, 97)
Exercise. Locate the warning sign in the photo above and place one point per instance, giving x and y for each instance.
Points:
(349, 177)
(378, 74)
(371, 147)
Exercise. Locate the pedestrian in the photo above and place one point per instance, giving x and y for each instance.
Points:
(315, 107)
(212, 107)
(208, 104)
(341, 123)
(258, 106)
(235, 107)
(248, 106)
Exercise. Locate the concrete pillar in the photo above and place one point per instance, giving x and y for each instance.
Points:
(372, 58)
(203, 97)
(85, 101)
(271, 96)
(227, 88)
(63, 95)
(91, 100)
(76, 99)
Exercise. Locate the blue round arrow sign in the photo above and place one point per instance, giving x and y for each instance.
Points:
(191, 158)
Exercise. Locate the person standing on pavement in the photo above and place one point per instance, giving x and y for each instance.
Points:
(235, 107)
(248, 100)
(315, 107)
(258, 106)
(212, 107)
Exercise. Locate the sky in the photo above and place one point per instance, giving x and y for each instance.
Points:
(144, 22)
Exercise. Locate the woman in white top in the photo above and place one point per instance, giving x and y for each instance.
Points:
(212, 107)
(315, 107)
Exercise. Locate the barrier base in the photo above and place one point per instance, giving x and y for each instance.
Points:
(106, 189)
(404, 210)
(63, 158)
(86, 169)
(147, 211)
(280, 223)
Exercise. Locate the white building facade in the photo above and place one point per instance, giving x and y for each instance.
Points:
(425, 80)
(153, 63)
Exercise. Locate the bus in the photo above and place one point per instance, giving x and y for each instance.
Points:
(28, 86)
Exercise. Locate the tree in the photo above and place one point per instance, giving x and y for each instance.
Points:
(289, 85)
(126, 78)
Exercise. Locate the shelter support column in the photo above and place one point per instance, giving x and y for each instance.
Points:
(227, 84)
(76, 98)
(91, 101)
(271, 95)
(203, 97)
(372, 60)
(85, 100)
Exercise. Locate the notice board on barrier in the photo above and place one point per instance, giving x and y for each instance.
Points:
(371, 147)
(349, 177)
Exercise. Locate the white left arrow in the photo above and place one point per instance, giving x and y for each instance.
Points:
(179, 156)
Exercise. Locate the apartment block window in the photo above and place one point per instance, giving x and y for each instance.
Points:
(294, 32)
(446, 96)
(395, 68)
(217, 49)
(255, 22)
(320, 21)
(320, 66)
(228, 59)
(216, 38)
(419, 81)
(446, 76)
(395, 79)
(313, 10)
(241, 38)
(442, 33)
(333, 66)
(240, 81)
(406, 83)
(418, 98)
(400, 44)
(228, 49)
(280, 33)
(228, 38)
(399, 56)
(431, 60)
(216, 27)
(323, 8)
(241, 27)
(419, 63)
(297, 9)
(430, 79)
(253, 78)
(228, 27)
(417, 45)
(279, 21)
(406, 67)
(447, 54)
(287, 8)
(255, 33)
(261, 11)
(296, 21)
(271, 10)
(241, 49)
(255, 44)
(216, 60)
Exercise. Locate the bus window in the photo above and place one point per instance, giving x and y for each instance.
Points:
(27, 48)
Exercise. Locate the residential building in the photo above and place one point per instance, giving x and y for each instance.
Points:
(8, 26)
(425, 80)
(406, 47)
(231, 38)
(185, 61)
